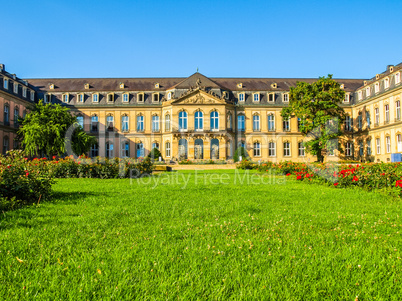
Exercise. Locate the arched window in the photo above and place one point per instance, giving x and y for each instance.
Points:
(257, 149)
(6, 144)
(155, 145)
(198, 121)
(167, 122)
(6, 115)
(241, 124)
(80, 121)
(124, 123)
(183, 120)
(110, 123)
(155, 123)
(214, 121)
(271, 122)
(256, 123)
(94, 124)
(109, 150)
(167, 149)
(140, 123)
(16, 116)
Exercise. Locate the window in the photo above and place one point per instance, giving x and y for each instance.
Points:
(388, 143)
(95, 97)
(360, 95)
(360, 121)
(214, 121)
(65, 98)
(140, 97)
(155, 97)
(361, 148)
(368, 147)
(167, 149)
(256, 97)
(80, 97)
(80, 121)
(377, 116)
(169, 96)
(302, 149)
(124, 123)
(347, 97)
(286, 149)
(6, 145)
(16, 116)
(94, 124)
(286, 97)
(183, 121)
(110, 123)
(397, 78)
(386, 83)
(109, 150)
(140, 150)
(5, 83)
(15, 86)
(398, 110)
(367, 91)
(155, 123)
(32, 95)
(271, 149)
(125, 97)
(48, 98)
(241, 97)
(94, 150)
(24, 92)
(155, 145)
(377, 87)
(271, 122)
(348, 149)
(368, 119)
(286, 125)
(241, 123)
(198, 121)
(271, 97)
(6, 115)
(140, 123)
(257, 149)
(386, 113)
(229, 122)
(378, 143)
(110, 97)
(167, 123)
(256, 123)
(399, 142)
(125, 149)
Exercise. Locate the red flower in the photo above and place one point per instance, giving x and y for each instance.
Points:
(298, 177)
(383, 174)
(398, 183)
(355, 179)
(288, 174)
(54, 157)
(336, 184)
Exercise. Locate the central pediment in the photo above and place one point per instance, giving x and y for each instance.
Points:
(198, 97)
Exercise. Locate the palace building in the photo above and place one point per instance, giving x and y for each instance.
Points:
(199, 118)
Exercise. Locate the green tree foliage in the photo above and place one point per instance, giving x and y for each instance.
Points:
(155, 154)
(317, 105)
(43, 131)
(240, 151)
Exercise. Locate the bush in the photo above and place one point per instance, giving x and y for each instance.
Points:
(246, 164)
(155, 154)
(240, 151)
(23, 182)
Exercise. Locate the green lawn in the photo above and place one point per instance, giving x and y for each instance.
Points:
(122, 240)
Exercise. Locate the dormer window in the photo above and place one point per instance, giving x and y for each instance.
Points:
(155, 97)
(48, 98)
(125, 97)
(271, 97)
(110, 98)
(225, 95)
(86, 86)
(347, 98)
(65, 98)
(377, 87)
(256, 97)
(360, 95)
(342, 86)
(169, 96)
(285, 97)
(240, 85)
(121, 85)
(140, 97)
(95, 97)
(367, 91)
(397, 78)
(5, 83)
(80, 97)
(24, 92)
(15, 87)
(51, 86)
(32, 95)
(274, 85)
(156, 85)
(242, 97)
(386, 83)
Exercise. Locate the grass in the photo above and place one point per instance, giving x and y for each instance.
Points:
(122, 240)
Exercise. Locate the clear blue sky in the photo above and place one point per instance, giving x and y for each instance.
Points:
(350, 39)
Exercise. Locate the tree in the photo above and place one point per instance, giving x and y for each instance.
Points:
(317, 106)
(155, 154)
(240, 152)
(43, 131)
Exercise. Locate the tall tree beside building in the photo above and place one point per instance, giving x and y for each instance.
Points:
(317, 106)
(43, 131)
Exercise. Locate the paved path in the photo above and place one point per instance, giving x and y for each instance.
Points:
(202, 166)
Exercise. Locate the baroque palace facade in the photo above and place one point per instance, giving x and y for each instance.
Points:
(200, 118)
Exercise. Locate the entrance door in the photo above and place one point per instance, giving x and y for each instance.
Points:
(214, 149)
(198, 149)
(182, 149)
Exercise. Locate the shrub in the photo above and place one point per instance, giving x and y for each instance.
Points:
(155, 154)
(246, 164)
(240, 151)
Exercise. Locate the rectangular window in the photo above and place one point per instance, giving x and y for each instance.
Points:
(15, 87)
(155, 97)
(348, 149)
(271, 123)
(368, 92)
(386, 83)
(256, 97)
(397, 78)
(80, 121)
(361, 149)
(286, 125)
(241, 97)
(167, 123)
(125, 97)
(286, 149)
(368, 120)
(271, 149)
(124, 123)
(48, 98)
(155, 123)
(95, 97)
(140, 123)
(399, 142)
(241, 125)
(5, 83)
(80, 97)
(271, 97)
(360, 95)
(125, 150)
(24, 92)
(167, 149)
(377, 87)
(377, 116)
(348, 125)
(140, 97)
(347, 97)
(257, 149)
(110, 97)
(388, 143)
(94, 124)
(256, 123)
(32, 95)
(398, 110)
(360, 121)
(286, 97)
(368, 147)
(301, 149)
(378, 143)
(65, 98)
(110, 123)
(386, 113)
